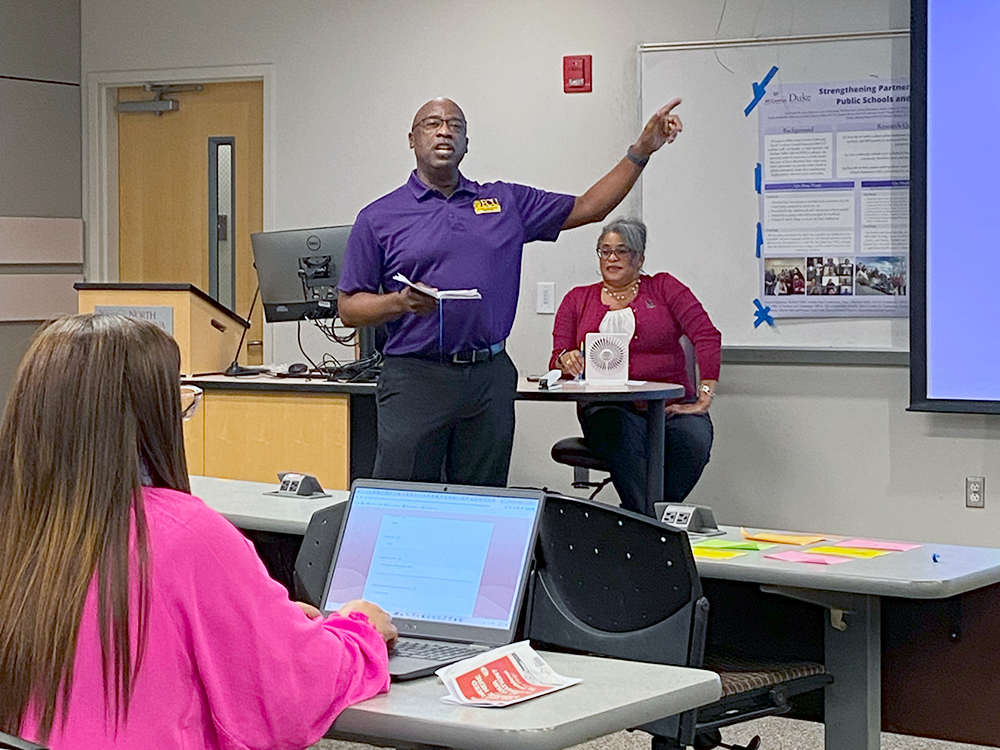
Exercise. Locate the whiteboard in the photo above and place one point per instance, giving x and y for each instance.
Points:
(698, 196)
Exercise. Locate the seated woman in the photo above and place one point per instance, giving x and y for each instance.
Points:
(133, 615)
(655, 311)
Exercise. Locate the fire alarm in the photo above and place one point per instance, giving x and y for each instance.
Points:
(577, 73)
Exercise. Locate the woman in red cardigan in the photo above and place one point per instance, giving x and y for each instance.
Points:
(656, 311)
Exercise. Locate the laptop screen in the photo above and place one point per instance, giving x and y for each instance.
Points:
(442, 560)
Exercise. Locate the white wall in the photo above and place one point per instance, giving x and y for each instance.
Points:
(811, 447)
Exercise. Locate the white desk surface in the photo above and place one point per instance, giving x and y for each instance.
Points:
(614, 695)
(573, 390)
(246, 505)
(910, 575)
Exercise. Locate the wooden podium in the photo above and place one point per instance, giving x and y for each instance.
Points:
(207, 332)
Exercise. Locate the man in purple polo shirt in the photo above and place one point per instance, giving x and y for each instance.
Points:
(446, 393)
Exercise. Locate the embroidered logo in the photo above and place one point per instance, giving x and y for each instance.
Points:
(486, 206)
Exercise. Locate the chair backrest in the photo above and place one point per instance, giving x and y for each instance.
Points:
(316, 553)
(690, 361)
(615, 583)
(10, 742)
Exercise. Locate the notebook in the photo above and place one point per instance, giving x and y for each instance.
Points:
(449, 563)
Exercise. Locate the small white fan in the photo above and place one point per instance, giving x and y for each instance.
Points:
(607, 358)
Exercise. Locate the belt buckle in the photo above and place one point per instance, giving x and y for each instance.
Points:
(464, 358)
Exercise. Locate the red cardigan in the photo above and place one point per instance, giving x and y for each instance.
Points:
(664, 310)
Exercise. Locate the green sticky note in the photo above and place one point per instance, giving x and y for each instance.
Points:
(734, 544)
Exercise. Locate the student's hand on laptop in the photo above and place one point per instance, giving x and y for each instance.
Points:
(376, 616)
(310, 610)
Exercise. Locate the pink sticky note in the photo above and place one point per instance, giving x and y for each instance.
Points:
(803, 557)
(874, 544)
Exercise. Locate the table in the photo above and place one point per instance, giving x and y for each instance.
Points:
(853, 594)
(251, 428)
(249, 508)
(614, 695)
(656, 394)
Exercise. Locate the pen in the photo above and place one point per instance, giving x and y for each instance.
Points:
(936, 557)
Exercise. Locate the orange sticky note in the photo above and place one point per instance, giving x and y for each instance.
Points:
(764, 536)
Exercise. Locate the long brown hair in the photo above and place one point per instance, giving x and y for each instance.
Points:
(95, 404)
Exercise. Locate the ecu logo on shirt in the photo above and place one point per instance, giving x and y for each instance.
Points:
(486, 206)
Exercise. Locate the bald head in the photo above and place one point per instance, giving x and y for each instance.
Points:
(442, 107)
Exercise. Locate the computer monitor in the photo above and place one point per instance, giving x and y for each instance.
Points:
(298, 271)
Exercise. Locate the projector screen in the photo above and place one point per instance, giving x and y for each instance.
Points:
(955, 206)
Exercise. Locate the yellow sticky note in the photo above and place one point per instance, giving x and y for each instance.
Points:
(764, 536)
(848, 551)
(718, 554)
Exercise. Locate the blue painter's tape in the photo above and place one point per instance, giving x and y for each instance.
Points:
(758, 177)
(759, 89)
(762, 314)
(760, 238)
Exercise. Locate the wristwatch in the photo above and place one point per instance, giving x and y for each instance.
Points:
(707, 390)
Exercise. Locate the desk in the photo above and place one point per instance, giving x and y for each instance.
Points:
(252, 428)
(656, 394)
(857, 590)
(853, 593)
(248, 508)
(614, 695)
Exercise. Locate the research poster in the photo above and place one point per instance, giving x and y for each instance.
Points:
(833, 178)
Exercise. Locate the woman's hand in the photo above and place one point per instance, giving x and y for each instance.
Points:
(570, 362)
(311, 612)
(376, 616)
(701, 405)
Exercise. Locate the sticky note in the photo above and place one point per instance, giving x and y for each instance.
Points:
(764, 536)
(875, 544)
(805, 557)
(734, 544)
(848, 551)
(717, 554)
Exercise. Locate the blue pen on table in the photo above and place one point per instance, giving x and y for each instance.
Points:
(935, 557)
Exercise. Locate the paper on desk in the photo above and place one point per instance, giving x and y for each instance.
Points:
(501, 677)
(439, 293)
(734, 544)
(764, 536)
(805, 557)
(716, 554)
(848, 551)
(875, 544)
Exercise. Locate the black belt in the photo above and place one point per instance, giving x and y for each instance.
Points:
(469, 357)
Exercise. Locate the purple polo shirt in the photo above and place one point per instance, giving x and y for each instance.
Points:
(471, 240)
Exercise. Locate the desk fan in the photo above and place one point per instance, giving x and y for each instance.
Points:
(607, 358)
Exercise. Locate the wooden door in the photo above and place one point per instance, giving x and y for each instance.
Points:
(163, 189)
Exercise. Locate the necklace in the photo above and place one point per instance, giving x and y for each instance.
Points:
(624, 294)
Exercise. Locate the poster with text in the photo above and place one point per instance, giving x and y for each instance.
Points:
(834, 198)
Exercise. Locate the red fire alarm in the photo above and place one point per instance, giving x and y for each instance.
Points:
(576, 73)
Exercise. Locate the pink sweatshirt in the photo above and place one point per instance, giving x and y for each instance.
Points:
(230, 661)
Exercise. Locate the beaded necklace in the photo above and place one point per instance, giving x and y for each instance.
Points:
(624, 294)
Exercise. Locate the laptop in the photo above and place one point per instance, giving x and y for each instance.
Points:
(449, 563)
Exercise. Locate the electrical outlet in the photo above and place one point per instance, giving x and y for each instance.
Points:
(975, 492)
(546, 301)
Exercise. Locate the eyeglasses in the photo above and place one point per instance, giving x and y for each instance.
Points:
(619, 251)
(190, 398)
(433, 124)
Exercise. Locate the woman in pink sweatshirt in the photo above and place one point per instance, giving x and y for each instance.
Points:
(133, 616)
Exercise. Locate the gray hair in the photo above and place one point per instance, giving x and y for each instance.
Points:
(632, 232)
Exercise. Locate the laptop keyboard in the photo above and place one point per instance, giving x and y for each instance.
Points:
(435, 651)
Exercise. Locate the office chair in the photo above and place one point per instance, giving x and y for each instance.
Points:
(574, 451)
(316, 554)
(615, 583)
(10, 742)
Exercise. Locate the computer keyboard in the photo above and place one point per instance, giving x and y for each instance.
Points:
(435, 651)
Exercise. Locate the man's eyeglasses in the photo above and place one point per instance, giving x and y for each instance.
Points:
(619, 251)
(433, 124)
(190, 398)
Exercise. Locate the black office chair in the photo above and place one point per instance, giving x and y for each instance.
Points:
(10, 742)
(574, 451)
(614, 583)
(316, 554)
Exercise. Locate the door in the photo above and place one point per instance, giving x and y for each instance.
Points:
(165, 162)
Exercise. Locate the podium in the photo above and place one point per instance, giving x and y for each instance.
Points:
(207, 332)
